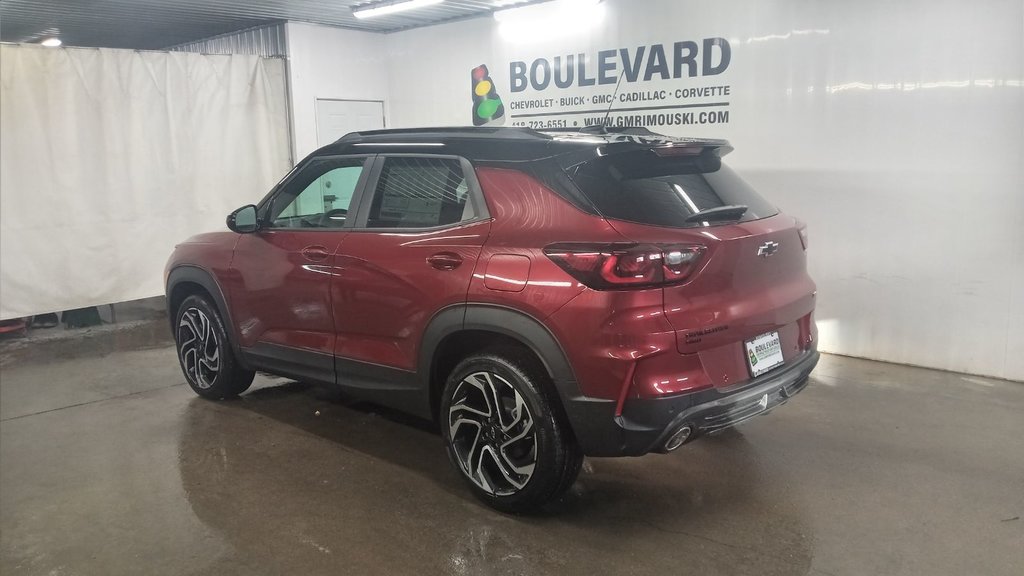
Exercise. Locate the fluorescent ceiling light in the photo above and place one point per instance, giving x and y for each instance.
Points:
(560, 18)
(383, 8)
(51, 42)
(556, 8)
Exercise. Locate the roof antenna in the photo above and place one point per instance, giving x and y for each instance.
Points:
(604, 121)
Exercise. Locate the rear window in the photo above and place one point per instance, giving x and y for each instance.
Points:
(646, 188)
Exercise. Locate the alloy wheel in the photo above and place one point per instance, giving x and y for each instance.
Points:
(492, 433)
(198, 348)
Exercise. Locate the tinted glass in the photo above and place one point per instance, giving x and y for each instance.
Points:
(420, 193)
(319, 196)
(648, 189)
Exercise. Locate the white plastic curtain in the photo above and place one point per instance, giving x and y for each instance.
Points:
(108, 158)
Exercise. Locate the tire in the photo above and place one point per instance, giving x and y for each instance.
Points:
(519, 457)
(205, 353)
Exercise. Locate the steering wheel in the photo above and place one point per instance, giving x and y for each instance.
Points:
(329, 218)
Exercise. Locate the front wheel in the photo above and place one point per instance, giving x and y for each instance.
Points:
(503, 434)
(205, 355)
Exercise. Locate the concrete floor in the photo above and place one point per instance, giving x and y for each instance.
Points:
(110, 465)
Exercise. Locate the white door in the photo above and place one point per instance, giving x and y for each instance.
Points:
(335, 118)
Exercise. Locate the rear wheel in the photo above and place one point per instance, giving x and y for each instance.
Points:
(502, 433)
(206, 358)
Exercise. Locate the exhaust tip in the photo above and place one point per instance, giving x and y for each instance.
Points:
(678, 438)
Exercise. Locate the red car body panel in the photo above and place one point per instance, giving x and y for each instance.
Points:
(736, 295)
(210, 252)
(527, 216)
(281, 290)
(385, 289)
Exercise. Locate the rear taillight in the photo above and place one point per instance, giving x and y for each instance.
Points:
(617, 266)
(802, 229)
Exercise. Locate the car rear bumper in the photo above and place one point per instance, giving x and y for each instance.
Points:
(646, 424)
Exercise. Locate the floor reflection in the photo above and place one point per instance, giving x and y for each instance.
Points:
(296, 477)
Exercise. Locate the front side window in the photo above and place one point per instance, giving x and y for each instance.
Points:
(319, 196)
(420, 193)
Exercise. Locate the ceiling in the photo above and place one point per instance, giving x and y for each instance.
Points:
(156, 24)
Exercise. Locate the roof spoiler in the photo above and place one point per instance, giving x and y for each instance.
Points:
(620, 140)
(638, 136)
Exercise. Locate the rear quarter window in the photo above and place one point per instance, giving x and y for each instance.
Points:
(645, 188)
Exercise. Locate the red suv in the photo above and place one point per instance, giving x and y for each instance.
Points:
(542, 296)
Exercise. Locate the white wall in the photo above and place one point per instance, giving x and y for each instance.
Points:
(326, 62)
(895, 129)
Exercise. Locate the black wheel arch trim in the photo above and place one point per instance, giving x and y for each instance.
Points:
(197, 275)
(506, 321)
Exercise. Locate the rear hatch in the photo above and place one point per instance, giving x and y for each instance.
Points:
(751, 279)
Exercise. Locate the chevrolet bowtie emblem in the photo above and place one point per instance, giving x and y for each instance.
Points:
(767, 249)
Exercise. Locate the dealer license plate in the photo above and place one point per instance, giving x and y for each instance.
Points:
(764, 353)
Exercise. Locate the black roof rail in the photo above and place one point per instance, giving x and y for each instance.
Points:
(451, 132)
(512, 144)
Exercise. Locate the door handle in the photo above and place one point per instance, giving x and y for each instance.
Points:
(445, 260)
(316, 253)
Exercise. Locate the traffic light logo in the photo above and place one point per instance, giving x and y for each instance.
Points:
(487, 106)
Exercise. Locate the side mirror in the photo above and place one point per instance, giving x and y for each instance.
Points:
(243, 220)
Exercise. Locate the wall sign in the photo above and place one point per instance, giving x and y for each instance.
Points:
(487, 106)
(656, 85)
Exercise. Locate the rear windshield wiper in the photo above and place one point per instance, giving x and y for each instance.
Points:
(734, 212)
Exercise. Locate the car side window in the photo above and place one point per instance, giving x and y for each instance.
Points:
(319, 196)
(420, 193)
